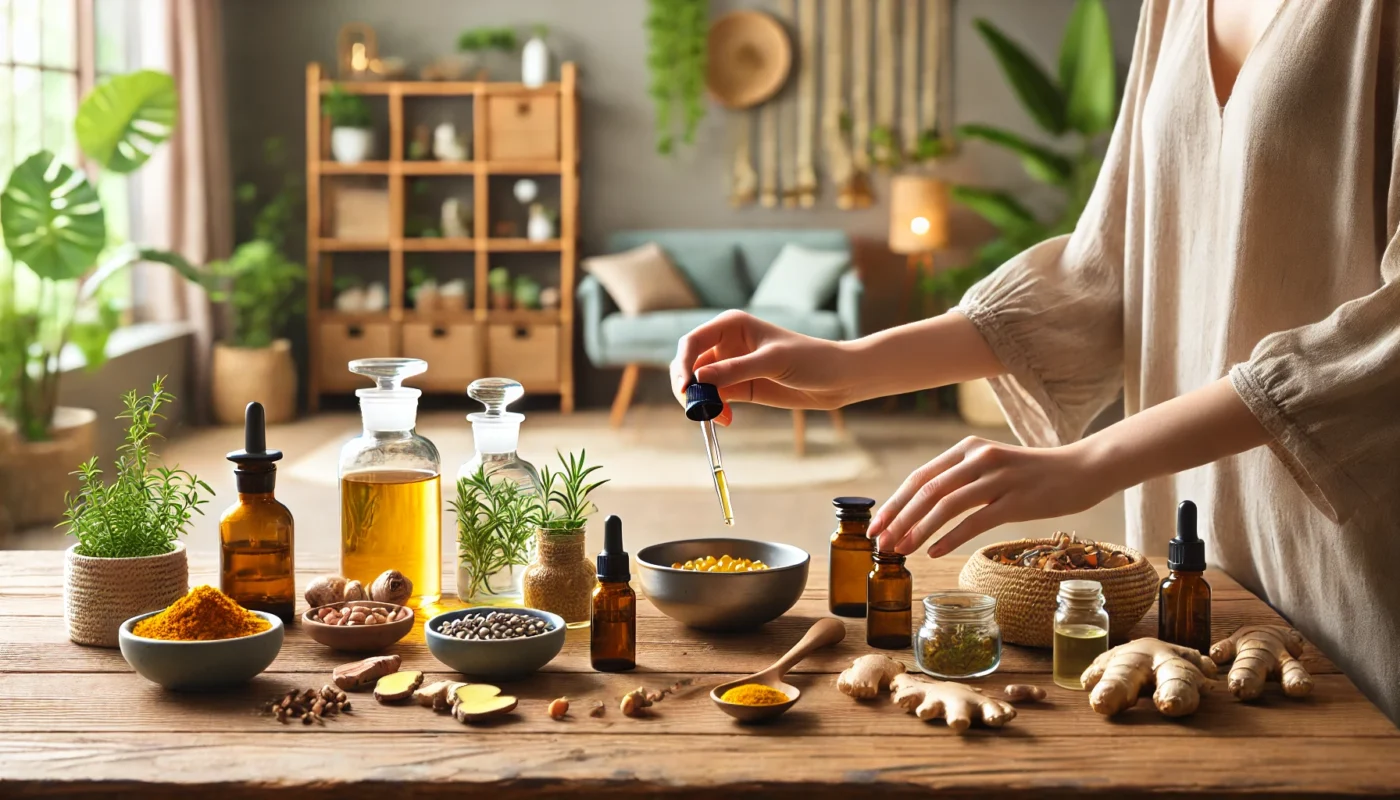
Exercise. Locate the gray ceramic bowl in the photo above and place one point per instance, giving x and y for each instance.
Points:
(201, 664)
(723, 601)
(495, 659)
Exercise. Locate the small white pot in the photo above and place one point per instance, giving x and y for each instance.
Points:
(539, 228)
(351, 145)
(99, 594)
(534, 63)
(977, 404)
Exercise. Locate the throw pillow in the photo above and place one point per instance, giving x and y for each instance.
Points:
(641, 279)
(801, 279)
(712, 270)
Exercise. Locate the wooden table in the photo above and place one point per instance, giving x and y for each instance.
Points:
(75, 720)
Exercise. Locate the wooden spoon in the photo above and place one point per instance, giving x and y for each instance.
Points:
(826, 632)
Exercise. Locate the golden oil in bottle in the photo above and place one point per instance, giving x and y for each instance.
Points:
(1076, 647)
(392, 519)
(256, 565)
(722, 489)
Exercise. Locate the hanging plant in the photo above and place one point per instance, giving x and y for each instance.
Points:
(676, 32)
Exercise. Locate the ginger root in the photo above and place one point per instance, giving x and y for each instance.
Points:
(361, 674)
(1023, 692)
(959, 704)
(476, 702)
(1179, 673)
(1262, 652)
(437, 695)
(868, 676)
(397, 686)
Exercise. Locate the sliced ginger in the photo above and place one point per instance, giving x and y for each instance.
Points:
(476, 702)
(397, 686)
(959, 704)
(868, 676)
(1262, 652)
(1118, 676)
(437, 695)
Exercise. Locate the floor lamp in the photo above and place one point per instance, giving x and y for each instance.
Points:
(918, 228)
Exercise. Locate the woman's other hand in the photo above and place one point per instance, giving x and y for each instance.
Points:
(752, 361)
(1003, 482)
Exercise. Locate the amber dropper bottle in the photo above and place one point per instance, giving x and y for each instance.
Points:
(1183, 601)
(850, 557)
(889, 615)
(255, 558)
(614, 623)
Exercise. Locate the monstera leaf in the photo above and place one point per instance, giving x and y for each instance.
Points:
(122, 121)
(52, 218)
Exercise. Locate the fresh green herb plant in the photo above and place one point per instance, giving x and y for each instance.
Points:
(498, 279)
(566, 506)
(496, 521)
(146, 508)
(478, 39)
(346, 110)
(676, 50)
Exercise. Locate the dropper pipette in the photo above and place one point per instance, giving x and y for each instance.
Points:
(703, 405)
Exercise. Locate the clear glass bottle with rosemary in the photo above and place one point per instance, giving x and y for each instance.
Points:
(960, 637)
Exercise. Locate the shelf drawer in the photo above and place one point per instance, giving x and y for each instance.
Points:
(527, 353)
(452, 350)
(343, 342)
(523, 128)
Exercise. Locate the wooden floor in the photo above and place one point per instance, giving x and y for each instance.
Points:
(76, 721)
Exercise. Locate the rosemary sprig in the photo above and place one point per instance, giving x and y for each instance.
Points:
(495, 521)
(567, 507)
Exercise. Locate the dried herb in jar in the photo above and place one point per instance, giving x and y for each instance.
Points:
(954, 650)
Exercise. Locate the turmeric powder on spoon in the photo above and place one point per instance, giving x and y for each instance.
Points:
(754, 694)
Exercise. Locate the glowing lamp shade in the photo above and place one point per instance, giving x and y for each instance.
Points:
(918, 214)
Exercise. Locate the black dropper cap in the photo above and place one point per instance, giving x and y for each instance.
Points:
(702, 401)
(1186, 553)
(613, 564)
(855, 509)
(255, 473)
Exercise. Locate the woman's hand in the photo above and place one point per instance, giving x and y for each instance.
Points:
(1004, 482)
(752, 361)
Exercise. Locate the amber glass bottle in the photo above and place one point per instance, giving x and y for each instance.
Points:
(889, 616)
(613, 628)
(1183, 601)
(850, 557)
(255, 558)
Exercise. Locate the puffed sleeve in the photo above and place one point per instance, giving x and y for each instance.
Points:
(1054, 313)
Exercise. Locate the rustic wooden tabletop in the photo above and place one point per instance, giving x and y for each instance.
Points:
(77, 721)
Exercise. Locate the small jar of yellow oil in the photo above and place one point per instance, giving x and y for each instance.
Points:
(1081, 631)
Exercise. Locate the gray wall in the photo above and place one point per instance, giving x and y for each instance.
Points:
(625, 184)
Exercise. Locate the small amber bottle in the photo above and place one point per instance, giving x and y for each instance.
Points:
(889, 616)
(850, 557)
(1183, 601)
(256, 566)
(614, 622)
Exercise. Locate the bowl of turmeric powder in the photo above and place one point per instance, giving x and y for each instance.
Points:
(204, 640)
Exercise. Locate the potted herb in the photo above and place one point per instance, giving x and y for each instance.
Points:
(129, 558)
(498, 279)
(496, 524)
(422, 289)
(55, 232)
(478, 43)
(352, 131)
(262, 288)
(561, 578)
(527, 292)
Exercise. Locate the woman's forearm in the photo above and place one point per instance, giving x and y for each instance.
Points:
(920, 355)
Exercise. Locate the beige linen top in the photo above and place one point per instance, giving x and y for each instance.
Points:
(1256, 241)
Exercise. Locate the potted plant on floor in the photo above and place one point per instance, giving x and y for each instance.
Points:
(262, 289)
(1082, 104)
(496, 524)
(561, 577)
(129, 558)
(50, 294)
(352, 127)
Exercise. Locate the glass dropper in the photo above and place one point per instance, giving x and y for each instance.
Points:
(702, 405)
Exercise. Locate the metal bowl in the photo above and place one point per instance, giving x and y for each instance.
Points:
(723, 601)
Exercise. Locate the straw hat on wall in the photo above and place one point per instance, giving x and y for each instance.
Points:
(748, 60)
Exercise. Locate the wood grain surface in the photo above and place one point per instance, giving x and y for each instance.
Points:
(75, 721)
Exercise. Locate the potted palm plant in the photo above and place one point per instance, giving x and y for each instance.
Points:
(352, 127)
(1076, 107)
(262, 288)
(129, 558)
(56, 234)
(561, 577)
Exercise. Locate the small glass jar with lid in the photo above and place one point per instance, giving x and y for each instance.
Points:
(1081, 631)
(960, 637)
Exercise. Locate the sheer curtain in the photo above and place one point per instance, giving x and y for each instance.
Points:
(186, 191)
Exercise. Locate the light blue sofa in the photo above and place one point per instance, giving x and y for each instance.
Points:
(723, 266)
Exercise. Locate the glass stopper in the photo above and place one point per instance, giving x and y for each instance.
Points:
(495, 394)
(388, 373)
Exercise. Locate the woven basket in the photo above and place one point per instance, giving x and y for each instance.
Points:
(99, 594)
(1026, 597)
(35, 477)
(241, 375)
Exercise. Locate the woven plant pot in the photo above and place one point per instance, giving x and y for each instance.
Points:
(99, 594)
(36, 476)
(1026, 597)
(241, 375)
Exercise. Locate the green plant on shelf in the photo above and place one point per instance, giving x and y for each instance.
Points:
(566, 506)
(476, 40)
(498, 279)
(345, 109)
(527, 292)
(495, 523)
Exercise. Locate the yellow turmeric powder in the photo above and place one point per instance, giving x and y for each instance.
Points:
(205, 613)
(754, 694)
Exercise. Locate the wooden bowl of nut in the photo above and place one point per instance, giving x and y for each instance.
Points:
(358, 626)
(1024, 576)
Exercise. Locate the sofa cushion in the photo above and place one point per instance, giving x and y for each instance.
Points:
(712, 270)
(640, 280)
(651, 338)
(801, 279)
(755, 249)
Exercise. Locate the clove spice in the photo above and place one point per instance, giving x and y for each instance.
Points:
(309, 705)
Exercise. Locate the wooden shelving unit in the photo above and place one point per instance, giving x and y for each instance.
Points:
(533, 346)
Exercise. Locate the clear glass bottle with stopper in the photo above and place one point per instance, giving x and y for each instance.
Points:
(390, 486)
(1081, 631)
(496, 435)
(702, 405)
(256, 566)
